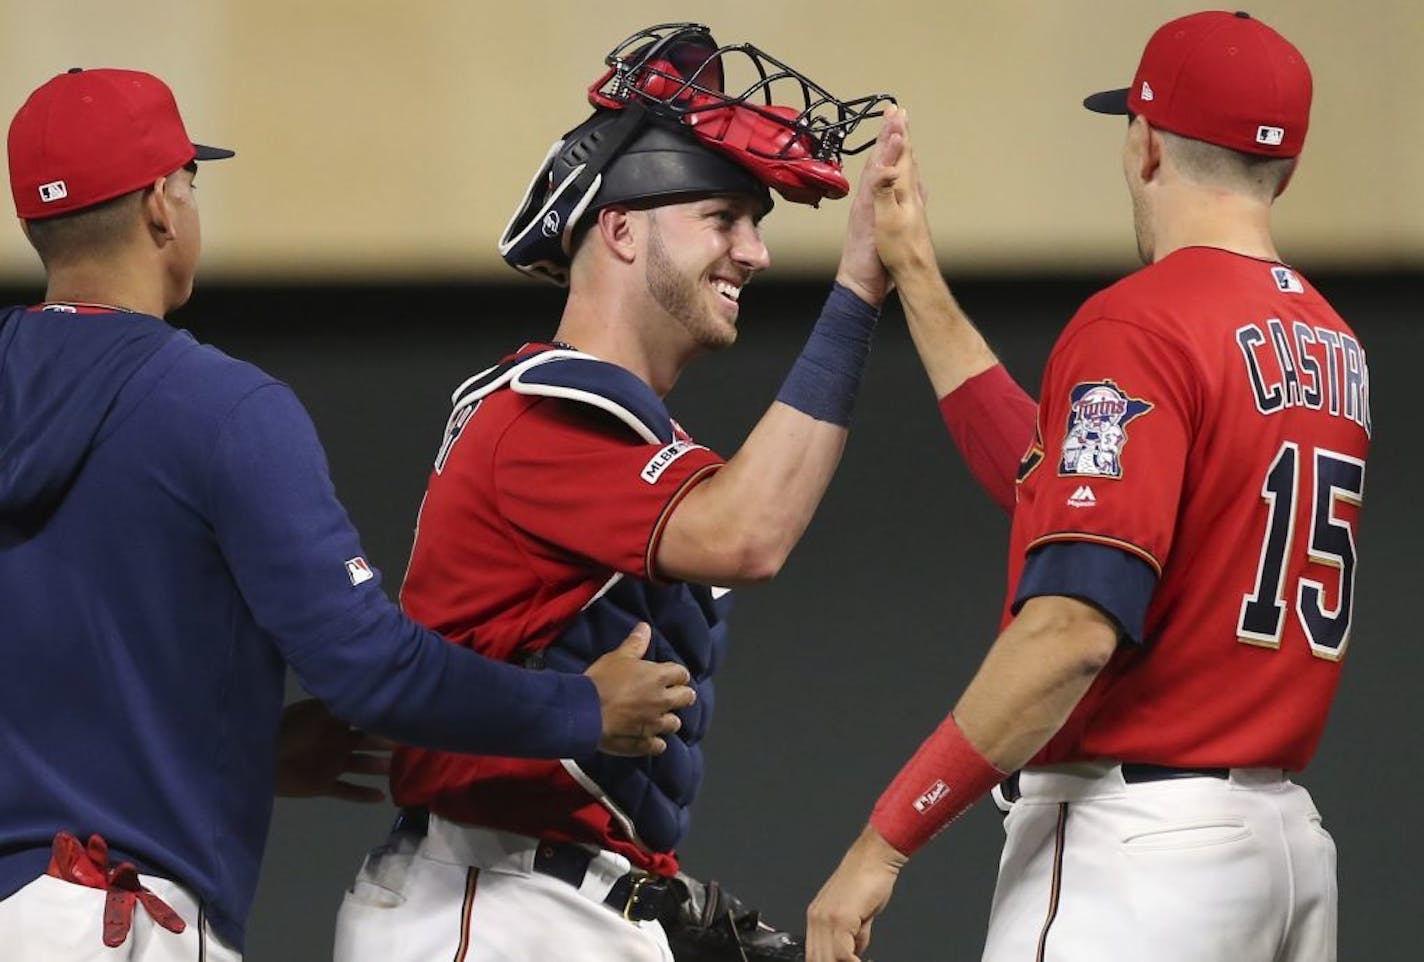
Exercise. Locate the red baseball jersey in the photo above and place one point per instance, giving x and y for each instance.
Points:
(534, 504)
(1208, 418)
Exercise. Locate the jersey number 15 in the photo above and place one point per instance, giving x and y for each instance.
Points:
(1338, 477)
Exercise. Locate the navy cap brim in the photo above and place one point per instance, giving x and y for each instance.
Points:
(213, 153)
(1108, 101)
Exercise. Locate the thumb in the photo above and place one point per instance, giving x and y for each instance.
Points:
(636, 644)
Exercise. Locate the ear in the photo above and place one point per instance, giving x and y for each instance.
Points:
(158, 212)
(619, 230)
(1149, 159)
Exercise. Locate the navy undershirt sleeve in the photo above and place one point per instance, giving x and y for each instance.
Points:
(286, 539)
(1115, 582)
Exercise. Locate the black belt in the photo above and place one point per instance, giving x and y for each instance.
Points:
(1133, 773)
(637, 896)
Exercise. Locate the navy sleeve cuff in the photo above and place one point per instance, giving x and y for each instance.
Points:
(1115, 582)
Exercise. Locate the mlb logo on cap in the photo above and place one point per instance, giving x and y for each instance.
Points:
(53, 191)
(1222, 78)
(1270, 136)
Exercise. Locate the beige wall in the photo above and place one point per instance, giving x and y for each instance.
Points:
(382, 139)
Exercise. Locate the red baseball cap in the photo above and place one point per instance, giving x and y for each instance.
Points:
(1224, 78)
(88, 136)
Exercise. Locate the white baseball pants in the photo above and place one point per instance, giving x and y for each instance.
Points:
(1198, 869)
(50, 920)
(466, 894)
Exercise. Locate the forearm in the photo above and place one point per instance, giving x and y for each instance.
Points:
(740, 524)
(989, 416)
(386, 674)
(1033, 677)
(950, 346)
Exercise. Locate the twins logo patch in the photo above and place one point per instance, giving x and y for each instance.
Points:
(1097, 430)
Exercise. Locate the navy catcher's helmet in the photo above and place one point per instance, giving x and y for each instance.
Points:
(665, 128)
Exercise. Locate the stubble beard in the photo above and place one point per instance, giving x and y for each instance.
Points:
(1142, 229)
(683, 297)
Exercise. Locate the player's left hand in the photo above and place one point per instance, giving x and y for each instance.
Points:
(860, 267)
(839, 918)
(315, 749)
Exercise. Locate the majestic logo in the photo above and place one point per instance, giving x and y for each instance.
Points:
(1286, 281)
(1098, 416)
(1082, 498)
(1147, 93)
(935, 794)
(1270, 136)
(53, 191)
(659, 462)
(550, 227)
(359, 571)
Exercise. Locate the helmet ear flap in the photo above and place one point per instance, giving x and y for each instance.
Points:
(538, 238)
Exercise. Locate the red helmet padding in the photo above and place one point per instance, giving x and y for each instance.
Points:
(764, 139)
(779, 155)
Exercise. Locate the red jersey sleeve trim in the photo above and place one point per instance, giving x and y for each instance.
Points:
(1128, 546)
(992, 421)
(697, 477)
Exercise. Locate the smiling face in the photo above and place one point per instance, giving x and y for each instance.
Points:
(699, 256)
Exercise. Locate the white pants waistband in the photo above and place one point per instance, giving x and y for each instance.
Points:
(1081, 781)
(511, 854)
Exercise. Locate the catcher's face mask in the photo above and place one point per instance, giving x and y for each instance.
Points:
(665, 128)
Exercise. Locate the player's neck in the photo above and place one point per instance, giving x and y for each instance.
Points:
(107, 284)
(606, 326)
(1198, 217)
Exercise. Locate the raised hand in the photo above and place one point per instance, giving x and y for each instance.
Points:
(638, 697)
(860, 268)
(902, 230)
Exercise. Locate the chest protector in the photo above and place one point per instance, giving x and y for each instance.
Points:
(649, 797)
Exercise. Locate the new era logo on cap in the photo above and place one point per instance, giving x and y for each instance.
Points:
(53, 191)
(1146, 92)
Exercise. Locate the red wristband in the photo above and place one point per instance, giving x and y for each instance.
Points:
(936, 786)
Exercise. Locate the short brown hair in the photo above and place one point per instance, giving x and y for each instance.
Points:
(99, 229)
(1252, 174)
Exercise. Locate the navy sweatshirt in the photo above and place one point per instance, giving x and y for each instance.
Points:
(169, 538)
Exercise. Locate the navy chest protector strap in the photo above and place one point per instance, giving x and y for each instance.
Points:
(575, 376)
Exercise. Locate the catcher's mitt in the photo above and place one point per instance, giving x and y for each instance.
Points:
(706, 923)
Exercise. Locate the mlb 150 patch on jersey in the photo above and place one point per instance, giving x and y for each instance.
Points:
(1098, 415)
(659, 462)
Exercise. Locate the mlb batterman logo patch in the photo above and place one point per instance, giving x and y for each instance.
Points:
(359, 571)
(1098, 416)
